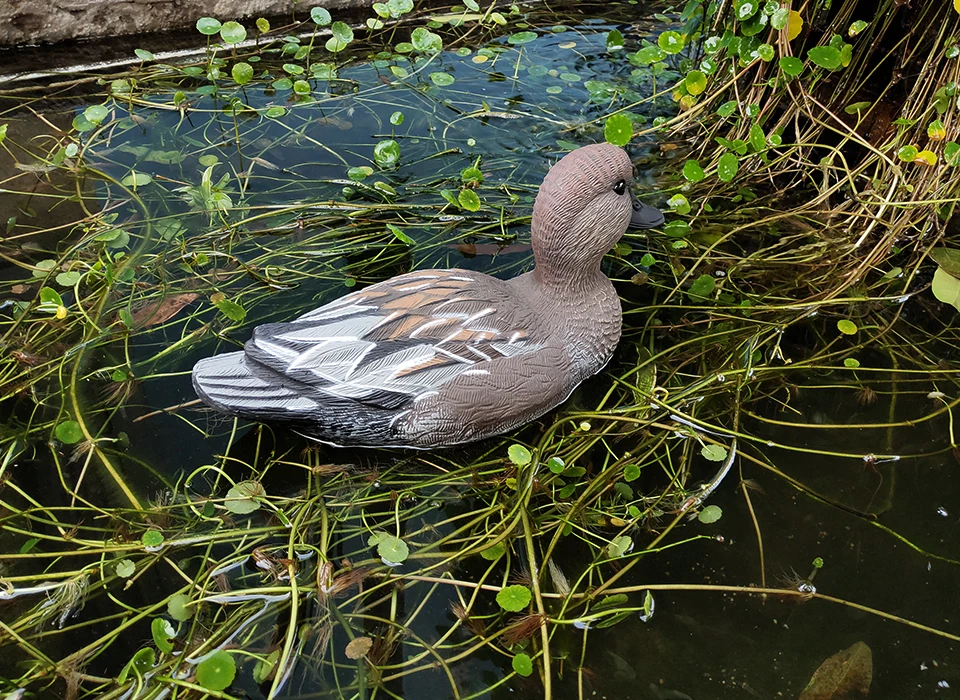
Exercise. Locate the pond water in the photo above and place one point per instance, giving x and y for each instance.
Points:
(193, 209)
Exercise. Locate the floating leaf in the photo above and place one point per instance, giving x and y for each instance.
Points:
(400, 235)
(135, 179)
(618, 129)
(631, 472)
(358, 647)
(614, 40)
(860, 25)
(692, 171)
(208, 25)
(320, 16)
(715, 453)
(825, 57)
(648, 55)
(494, 552)
(468, 200)
(514, 598)
(396, 118)
(125, 568)
(679, 204)
(851, 362)
(471, 175)
(162, 631)
(233, 32)
(95, 114)
(152, 539)
(177, 607)
(245, 497)
(519, 455)
(727, 167)
(522, 664)
(142, 662)
(521, 38)
(359, 173)
(69, 432)
(710, 515)
(392, 549)
(386, 153)
(847, 327)
(68, 279)
(702, 287)
(217, 671)
(619, 546)
(845, 675)
(231, 309)
(442, 79)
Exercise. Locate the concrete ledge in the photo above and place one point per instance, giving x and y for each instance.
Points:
(37, 21)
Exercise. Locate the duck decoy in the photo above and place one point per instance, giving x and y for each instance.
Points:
(440, 357)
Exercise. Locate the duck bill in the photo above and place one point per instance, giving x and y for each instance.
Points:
(644, 216)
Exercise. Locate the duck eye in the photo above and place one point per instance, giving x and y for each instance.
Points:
(620, 187)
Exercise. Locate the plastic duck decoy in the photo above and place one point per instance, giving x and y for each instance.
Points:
(440, 357)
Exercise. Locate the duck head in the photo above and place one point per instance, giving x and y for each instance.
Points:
(584, 206)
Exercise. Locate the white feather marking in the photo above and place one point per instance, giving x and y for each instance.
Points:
(459, 278)
(425, 395)
(398, 417)
(454, 356)
(480, 314)
(413, 287)
(482, 355)
(476, 371)
(429, 324)
(323, 313)
(279, 351)
(451, 301)
(299, 404)
(514, 337)
(386, 319)
(356, 363)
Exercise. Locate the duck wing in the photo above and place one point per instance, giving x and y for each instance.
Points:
(379, 348)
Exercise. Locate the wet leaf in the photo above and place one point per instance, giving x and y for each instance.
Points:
(514, 598)
(936, 131)
(143, 54)
(68, 279)
(244, 497)
(468, 199)
(727, 167)
(386, 153)
(396, 118)
(264, 669)
(619, 546)
(908, 153)
(677, 229)
(177, 607)
(946, 288)
(263, 25)
(710, 515)
(618, 129)
(442, 79)
(400, 235)
(358, 647)
(791, 66)
(860, 25)
(471, 175)
(135, 179)
(695, 82)
(519, 455)
(217, 671)
(679, 204)
(125, 568)
(692, 171)
(152, 539)
(715, 453)
(702, 287)
(671, 42)
(521, 38)
(925, 157)
(95, 114)
(392, 549)
(231, 309)
(610, 601)
(242, 73)
(614, 40)
(156, 312)
(494, 552)
(162, 631)
(69, 432)
(142, 662)
(631, 472)
(522, 664)
(846, 675)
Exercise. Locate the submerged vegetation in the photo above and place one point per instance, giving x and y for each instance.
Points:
(781, 330)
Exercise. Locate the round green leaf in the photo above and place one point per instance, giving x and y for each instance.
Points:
(851, 362)
(791, 66)
(425, 41)
(521, 38)
(692, 171)
(468, 199)
(727, 167)
(715, 453)
(702, 287)
(359, 173)
(178, 607)
(671, 42)
(69, 432)
(342, 32)
(125, 568)
(825, 57)
(162, 631)
(275, 111)
(710, 515)
(152, 538)
(68, 279)
(618, 129)
(442, 79)
(471, 175)
(135, 179)
(847, 327)
(946, 287)
(233, 32)
(679, 204)
(95, 114)
(908, 153)
(631, 472)
(386, 153)
(396, 118)
(695, 82)
(320, 16)
(263, 25)
(301, 87)
(494, 552)
(514, 598)
(244, 497)
(217, 671)
(242, 73)
(392, 549)
(208, 25)
(522, 664)
(519, 455)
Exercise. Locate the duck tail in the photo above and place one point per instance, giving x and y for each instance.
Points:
(229, 384)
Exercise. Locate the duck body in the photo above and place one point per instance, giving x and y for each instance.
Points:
(440, 357)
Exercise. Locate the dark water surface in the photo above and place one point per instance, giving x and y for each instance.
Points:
(859, 516)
